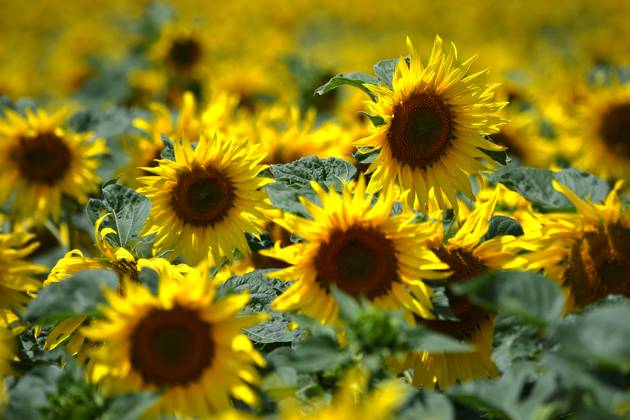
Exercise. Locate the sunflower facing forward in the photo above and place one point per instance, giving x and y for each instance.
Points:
(182, 342)
(206, 199)
(467, 256)
(359, 248)
(434, 119)
(40, 162)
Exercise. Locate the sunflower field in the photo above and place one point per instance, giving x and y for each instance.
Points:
(333, 210)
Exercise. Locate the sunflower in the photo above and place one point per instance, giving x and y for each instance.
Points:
(182, 342)
(588, 253)
(467, 256)
(353, 400)
(145, 150)
(603, 129)
(358, 248)
(434, 119)
(180, 48)
(18, 277)
(207, 198)
(40, 162)
(117, 259)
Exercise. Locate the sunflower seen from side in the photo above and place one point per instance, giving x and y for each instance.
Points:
(468, 256)
(358, 247)
(205, 200)
(41, 162)
(434, 118)
(587, 253)
(182, 342)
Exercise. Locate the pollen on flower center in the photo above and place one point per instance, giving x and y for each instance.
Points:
(421, 129)
(360, 261)
(202, 196)
(599, 265)
(615, 128)
(184, 53)
(171, 347)
(469, 317)
(44, 159)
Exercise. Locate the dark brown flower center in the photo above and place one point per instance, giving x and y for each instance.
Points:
(599, 265)
(184, 53)
(202, 197)
(44, 159)
(470, 317)
(502, 138)
(171, 347)
(615, 129)
(421, 129)
(360, 261)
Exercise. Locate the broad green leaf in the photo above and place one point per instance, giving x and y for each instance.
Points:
(384, 71)
(536, 185)
(376, 119)
(515, 341)
(77, 295)
(317, 353)
(128, 212)
(263, 291)
(527, 295)
(293, 180)
(421, 339)
(503, 225)
(599, 336)
(169, 149)
(427, 406)
(356, 79)
(30, 392)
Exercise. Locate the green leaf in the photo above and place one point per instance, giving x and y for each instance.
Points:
(428, 406)
(317, 353)
(263, 291)
(384, 71)
(293, 180)
(422, 339)
(169, 149)
(31, 391)
(128, 209)
(129, 406)
(299, 174)
(536, 185)
(598, 337)
(519, 394)
(376, 119)
(356, 79)
(503, 225)
(78, 295)
(530, 296)
(515, 341)
(500, 156)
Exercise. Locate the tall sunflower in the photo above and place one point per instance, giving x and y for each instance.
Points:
(359, 248)
(18, 277)
(182, 342)
(180, 48)
(588, 253)
(40, 162)
(467, 256)
(434, 119)
(207, 198)
(603, 129)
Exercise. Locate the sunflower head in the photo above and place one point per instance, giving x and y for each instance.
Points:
(434, 118)
(359, 248)
(180, 47)
(43, 162)
(206, 198)
(183, 342)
